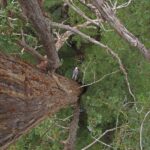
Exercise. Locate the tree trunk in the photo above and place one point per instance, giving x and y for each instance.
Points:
(3, 3)
(27, 96)
(109, 15)
(34, 13)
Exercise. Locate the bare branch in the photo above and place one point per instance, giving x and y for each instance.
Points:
(108, 14)
(97, 139)
(92, 40)
(81, 13)
(141, 129)
(106, 75)
(97, 22)
(65, 119)
(105, 12)
(93, 9)
(31, 50)
(107, 49)
(102, 142)
(123, 5)
(61, 39)
(84, 71)
(74, 30)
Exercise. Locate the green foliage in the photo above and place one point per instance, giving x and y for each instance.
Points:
(53, 8)
(48, 135)
(107, 102)
(11, 25)
(104, 101)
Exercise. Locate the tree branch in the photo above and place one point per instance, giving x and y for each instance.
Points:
(126, 4)
(31, 50)
(102, 78)
(108, 14)
(141, 129)
(81, 13)
(107, 49)
(70, 143)
(97, 139)
(61, 39)
(33, 12)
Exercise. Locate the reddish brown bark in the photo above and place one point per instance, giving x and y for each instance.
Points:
(34, 13)
(27, 96)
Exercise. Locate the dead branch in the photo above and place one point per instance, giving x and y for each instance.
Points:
(97, 139)
(115, 7)
(126, 4)
(81, 13)
(107, 49)
(103, 143)
(84, 71)
(99, 80)
(105, 12)
(93, 9)
(108, 14)
(31, 50)
(61, 39)
(141, 129)
(76, 31)
(65, 119)
(97, 22)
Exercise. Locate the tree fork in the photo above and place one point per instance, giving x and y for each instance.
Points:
(27, 96)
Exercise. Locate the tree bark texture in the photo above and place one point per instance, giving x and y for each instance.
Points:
(3, 3)
(70, 142)
(27, 96)
(108, 14)
(34, 13)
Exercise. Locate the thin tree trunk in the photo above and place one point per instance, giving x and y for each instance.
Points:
(109, 15)
(27, 96)
(70, 142)
(34, 13)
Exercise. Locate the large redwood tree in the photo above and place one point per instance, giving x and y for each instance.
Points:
(27, 95)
